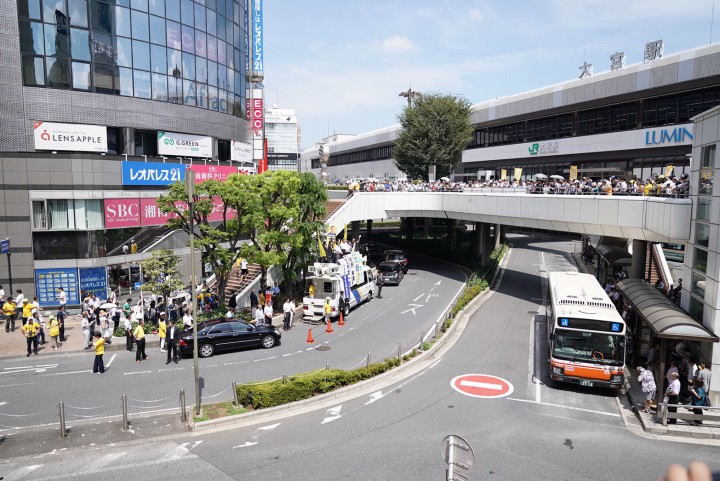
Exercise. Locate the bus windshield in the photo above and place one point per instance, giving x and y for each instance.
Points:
(595, 347)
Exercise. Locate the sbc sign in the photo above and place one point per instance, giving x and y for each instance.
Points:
(122, 213)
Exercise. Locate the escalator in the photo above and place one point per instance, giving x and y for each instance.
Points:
(144, 239)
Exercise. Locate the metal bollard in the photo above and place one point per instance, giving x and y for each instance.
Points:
(284, 381)
(183, 413)
(368, 360)
(420, 343)
(399, 358)
(327, 367)
(236, 402)
(125, 413)
(62, 420)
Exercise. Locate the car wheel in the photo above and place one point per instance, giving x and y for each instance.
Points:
(268, 342)
(346, 310)
(207, 350)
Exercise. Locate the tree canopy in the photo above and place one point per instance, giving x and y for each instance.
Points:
(162, 273)
(435, 131)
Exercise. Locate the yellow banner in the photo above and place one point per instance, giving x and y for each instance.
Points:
(668, 170)
(321, 249)
(345, 233)
(503, 174)
(573, 172)
(518, 173)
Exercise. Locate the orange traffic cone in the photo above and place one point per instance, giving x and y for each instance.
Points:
(329, 326)
(310, 339)
(342, 321)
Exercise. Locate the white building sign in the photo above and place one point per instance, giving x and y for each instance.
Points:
(72, 137)
(174, 144)
(240, 151)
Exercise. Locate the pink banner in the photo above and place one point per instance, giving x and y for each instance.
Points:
(122, 213)
(150, 213)
(212, 172)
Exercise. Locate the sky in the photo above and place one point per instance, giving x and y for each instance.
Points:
(341, 63)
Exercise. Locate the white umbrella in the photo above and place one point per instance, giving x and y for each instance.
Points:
(444, 179)
(541, 176)
(107, 305)
(557, 177)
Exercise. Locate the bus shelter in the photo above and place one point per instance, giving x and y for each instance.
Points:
(665, 319)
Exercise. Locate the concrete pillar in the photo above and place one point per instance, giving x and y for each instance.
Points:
(450, 233)
(368, 231)
(409, 228)
(639, 258)
(428, 223)
(484, 236)
(498, 235)
(475, 239)
(128, 135)
(355, 229)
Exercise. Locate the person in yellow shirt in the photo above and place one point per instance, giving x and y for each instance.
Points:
(139, 334)
(99, 344)
(9, 310)
(31, 330)
(162, 331)
(27, 309)
(328, 310)
(54, 331)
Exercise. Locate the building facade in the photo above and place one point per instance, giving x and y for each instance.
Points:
(283, 138)
(105, 104)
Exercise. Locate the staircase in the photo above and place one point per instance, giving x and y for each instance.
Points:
(654, 270)
(330, 207)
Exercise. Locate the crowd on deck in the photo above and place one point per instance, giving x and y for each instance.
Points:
(658, 185)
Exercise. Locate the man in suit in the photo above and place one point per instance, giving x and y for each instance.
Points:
(172, 338)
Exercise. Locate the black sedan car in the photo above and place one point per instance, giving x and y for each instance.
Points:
(390, 272)
(400, 256)
(218, 335)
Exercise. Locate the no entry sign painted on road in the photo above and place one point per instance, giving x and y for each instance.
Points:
(482, 386)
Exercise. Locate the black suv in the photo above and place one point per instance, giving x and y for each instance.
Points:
(390, 272)
(400, 256)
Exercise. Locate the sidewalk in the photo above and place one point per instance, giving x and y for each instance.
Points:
(650, 422)
(13, 344)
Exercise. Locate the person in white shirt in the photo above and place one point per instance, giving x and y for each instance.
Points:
(127, 324)
(61, 297)
(2, 294)
(258, 317)
(268, 311)
(673, 370)
(288, 308)
(673, 394)
(112, 297)
(187, 319)
(230, 314)
(85, 326)
(139, 311)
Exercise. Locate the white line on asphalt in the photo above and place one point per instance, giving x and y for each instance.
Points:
(269, 427)
(374, 397)
(21, 384)
(482, 385)
(136, 372)
(69, 372)
(530, 401)
(418, 297)
(111, 360)
(332, 414)
(286, 355)
(172, 369)
(244, 445)
(427, 299)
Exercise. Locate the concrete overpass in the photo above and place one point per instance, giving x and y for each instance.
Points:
(656, 219)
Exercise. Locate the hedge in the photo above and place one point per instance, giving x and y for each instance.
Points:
(306, 385)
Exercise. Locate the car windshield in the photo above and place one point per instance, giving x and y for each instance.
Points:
(600, 348)
(387, 268)
(396, 257)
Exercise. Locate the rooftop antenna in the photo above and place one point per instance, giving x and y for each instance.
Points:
(712, 21)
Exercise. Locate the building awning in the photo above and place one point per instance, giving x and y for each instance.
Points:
(665, 318)
(614, 254)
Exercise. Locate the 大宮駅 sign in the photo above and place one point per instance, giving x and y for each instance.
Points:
(175, 144)
(70, 137)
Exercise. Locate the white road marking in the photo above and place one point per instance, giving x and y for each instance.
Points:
(38, 369)
(416, 306)
(3, 403)
(376, 396)
(245, 445)
(69, 372)
(418, 297)
(286, 355)
(482, 385)
(99, 463)
(195, 444)
(20, 384)
(530, 401)
(111, 360)
(438, 282)
(269, 427)
(332, 414)
(136, 372)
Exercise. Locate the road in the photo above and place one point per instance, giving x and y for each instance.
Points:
(538, 432)
(30, 388)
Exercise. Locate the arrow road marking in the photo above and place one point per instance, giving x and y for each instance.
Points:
(256, 435)
(482, 385)
(412, 308)
(185, 445)
(332, 414)
(245, 445)
(376, 396)
(418, 297)
(38, 369)
(438, 282)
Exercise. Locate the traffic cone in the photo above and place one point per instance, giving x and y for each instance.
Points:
(329, 326)
(342, 321)
(310, 339)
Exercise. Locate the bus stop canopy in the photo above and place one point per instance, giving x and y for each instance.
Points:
(665, 318)
(614, 254)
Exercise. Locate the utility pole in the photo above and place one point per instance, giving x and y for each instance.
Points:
(410, 94)
(190, 190)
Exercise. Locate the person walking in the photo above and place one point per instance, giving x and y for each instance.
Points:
(60, 316)
(173, 338)
(647, 381)
(31, 329)
(85, 326)
(139, 335)
(54, 331)
(243, 269)
(327, 309)
(379, 283)
(127, 324)
(9, 310)
(99, 344)
(697, 397)
(162, 331)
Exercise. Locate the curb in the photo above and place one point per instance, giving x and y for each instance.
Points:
(407, 369)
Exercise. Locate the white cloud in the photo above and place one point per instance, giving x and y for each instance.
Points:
(395, 44)
(476, 15)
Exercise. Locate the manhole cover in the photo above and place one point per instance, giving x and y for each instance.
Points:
(322, 348)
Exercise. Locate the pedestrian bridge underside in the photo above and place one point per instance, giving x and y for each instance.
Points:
(658, 219)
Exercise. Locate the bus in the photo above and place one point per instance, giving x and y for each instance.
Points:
(585, 333)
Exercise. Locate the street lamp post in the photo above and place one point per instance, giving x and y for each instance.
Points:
(190, 190)
(410, 94)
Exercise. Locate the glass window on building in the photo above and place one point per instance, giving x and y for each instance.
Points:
(123, 49)
(157, 7)
(125, 82)
(32, 39)
(122, 21)
(139, 5)
(59, 214)
(141, 84)
(141, 55)
(78, 13)
(700, 261)
(707, 157)
(702, 234)
(159, 87)
(53, 10)
(697, 285)
(175, 89)
(140, 28)
(103, 78)
(80, 44)
(158, 59)
(186, 12)
(81, 79)
(89, 214)
(157, 30)
(703, 208)
(706, 182)
(696, 309)
(58, 73)
(29, 9)
(33, 70)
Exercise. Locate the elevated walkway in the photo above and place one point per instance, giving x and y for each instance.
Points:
(657, 219)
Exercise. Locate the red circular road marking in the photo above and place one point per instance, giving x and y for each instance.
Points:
(482, 386)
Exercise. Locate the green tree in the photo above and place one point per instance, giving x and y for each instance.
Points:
(161, 270)
(435, 131)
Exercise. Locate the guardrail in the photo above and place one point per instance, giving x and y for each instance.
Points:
(664, 414)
